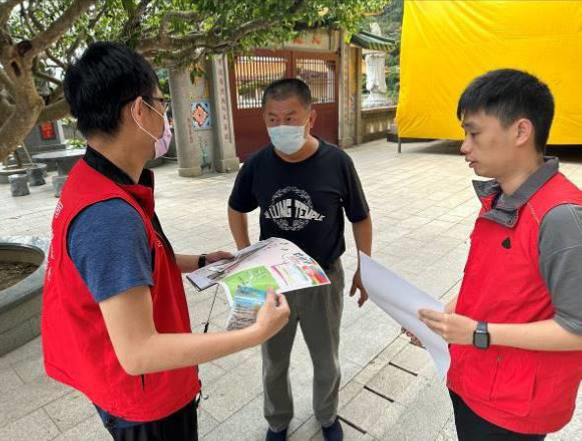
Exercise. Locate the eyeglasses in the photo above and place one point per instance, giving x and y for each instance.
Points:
(165, 102)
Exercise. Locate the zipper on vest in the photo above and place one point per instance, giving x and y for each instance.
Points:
(142, 378)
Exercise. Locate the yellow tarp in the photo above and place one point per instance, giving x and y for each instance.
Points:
(445, 44)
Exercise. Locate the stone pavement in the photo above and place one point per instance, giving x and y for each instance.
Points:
(423, 208)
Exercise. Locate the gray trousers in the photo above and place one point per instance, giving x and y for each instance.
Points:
(318, 311)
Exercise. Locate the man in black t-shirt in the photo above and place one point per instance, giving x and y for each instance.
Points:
(303, 186)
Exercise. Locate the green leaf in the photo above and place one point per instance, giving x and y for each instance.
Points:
(129, 7)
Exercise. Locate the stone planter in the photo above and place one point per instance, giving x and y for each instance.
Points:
(20, 304)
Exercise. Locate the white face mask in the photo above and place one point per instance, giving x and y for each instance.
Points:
(287, 139)
(161, 145)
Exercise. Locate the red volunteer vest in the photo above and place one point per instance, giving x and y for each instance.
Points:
(523, 391)
(76, 345)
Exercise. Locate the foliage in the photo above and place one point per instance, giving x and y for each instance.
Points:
(40, 38)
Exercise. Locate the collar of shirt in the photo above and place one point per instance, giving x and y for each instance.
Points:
(506, 208)
(107, 168)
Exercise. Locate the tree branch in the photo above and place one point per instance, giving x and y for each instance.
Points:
(54, 111)
(184, 15)
(46, 77)
(178, 49)
(5, 10)
(134, 22)
(35, 21)
(6, 109)
(55, 60)
(83, 34)
(57, 28)
(6, 82)
(55, 95)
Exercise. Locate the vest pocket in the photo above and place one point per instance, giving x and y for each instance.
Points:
(480, 370)
(515, 381)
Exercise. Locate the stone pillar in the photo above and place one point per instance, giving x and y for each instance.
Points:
(203, 120)
(359, 78)
(344, 102)
(225, 159)
(35, 176)
(58, 184)
(189, 156)
(18, 185)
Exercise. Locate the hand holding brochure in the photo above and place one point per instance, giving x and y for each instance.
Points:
(269, 264)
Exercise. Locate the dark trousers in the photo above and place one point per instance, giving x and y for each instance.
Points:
(179, 426)
(471, 427)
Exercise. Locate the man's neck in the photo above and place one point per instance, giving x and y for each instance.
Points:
(308, 150)
(128, 160)
(510, 183)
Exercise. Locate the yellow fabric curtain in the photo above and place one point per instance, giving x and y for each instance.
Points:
(445, 44)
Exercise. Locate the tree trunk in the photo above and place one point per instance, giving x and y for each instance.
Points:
(27, 103)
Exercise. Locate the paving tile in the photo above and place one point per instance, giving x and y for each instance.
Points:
(228, 395)
(370, 412)
(91, 429)
(414, 359)
(30, 368)
(206, 423)
(70, 410)
(21, 401)
(377, 330)
(247, 424)
(424, 399)
(36, 426)
(9, 379)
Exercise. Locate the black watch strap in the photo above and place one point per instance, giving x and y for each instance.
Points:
(202, 260)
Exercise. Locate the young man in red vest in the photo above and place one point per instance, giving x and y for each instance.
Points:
(115, 322)
(515, 329)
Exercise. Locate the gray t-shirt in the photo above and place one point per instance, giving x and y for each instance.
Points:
(559, 241)
(560, 247)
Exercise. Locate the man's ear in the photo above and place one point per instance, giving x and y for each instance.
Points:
(524, 132)
(312, 118)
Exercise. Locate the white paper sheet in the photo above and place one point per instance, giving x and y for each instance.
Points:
(402, 300)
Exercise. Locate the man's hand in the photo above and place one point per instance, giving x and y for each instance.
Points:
(454, 328)
(188, 263)
(218, 255)
(452, 305)
(357, 285)
(272, 316)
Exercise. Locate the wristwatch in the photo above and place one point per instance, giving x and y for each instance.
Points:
(201, 260)
(481, 337)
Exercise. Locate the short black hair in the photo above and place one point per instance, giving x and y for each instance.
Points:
(286, 88)
(99, 84)
(510, 94)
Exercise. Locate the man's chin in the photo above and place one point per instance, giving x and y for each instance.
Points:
(483, 174)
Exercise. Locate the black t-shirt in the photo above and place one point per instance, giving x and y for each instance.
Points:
(303, 202)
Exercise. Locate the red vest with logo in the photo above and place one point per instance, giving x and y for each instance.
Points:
(523, 391)
(76, 345)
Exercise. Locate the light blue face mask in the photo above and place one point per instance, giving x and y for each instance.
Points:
(287, 139)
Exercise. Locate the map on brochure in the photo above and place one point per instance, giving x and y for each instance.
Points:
(274, 263)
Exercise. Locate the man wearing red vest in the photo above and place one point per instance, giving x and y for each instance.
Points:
(115, 322)
(515, 329)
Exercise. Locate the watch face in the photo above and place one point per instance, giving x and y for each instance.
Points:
(481, 340)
